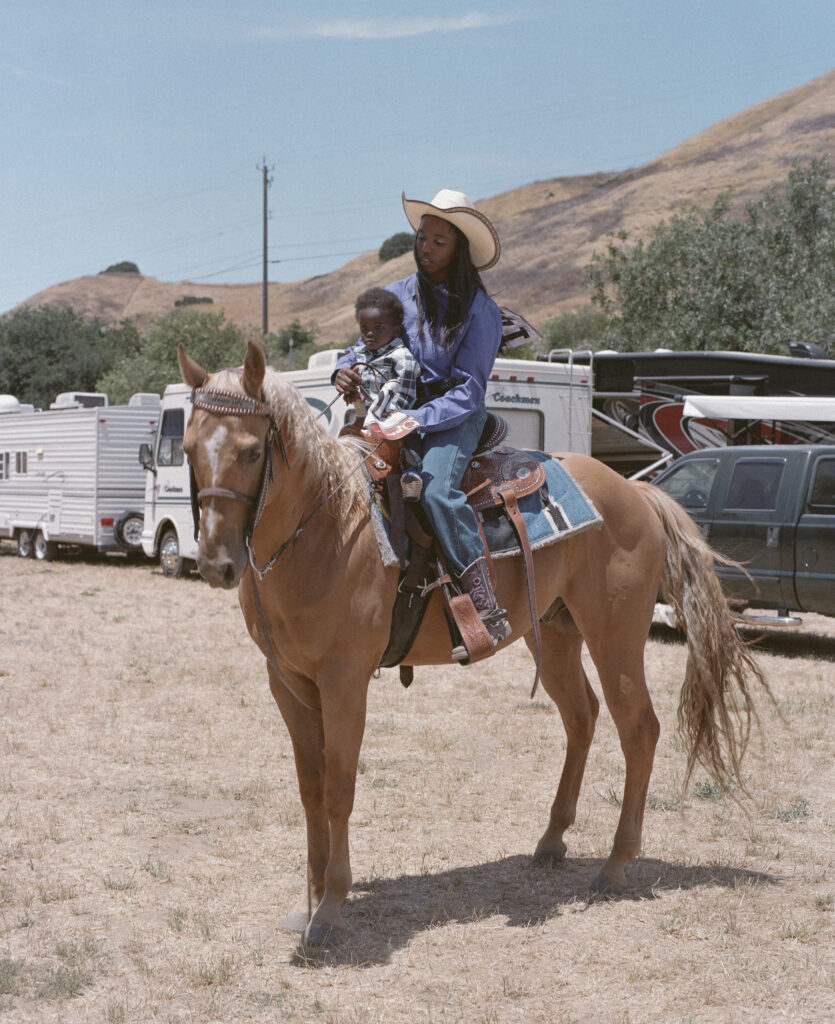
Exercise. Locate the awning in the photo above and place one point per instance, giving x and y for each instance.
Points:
(770, 408)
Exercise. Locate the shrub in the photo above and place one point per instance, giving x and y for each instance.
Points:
(396, 245)
(193, 300)
(125, 267)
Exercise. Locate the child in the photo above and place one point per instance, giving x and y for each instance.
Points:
(382, 362)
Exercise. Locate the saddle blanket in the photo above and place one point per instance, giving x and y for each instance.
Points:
(558, 509)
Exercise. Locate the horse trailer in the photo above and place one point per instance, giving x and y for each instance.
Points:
(547, 407)
(69, 475)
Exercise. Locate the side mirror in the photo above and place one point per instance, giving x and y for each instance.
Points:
(146, 457)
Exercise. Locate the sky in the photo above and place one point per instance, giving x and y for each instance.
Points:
(136, 130)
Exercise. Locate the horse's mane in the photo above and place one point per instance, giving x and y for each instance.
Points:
(327, 461)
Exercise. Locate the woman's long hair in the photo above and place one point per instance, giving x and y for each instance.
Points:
(463, 281)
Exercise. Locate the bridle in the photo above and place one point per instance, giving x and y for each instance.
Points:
(227, 403)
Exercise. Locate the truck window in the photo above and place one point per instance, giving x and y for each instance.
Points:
(754, 484)
(171, 438)
(822, 494)
(690, 482)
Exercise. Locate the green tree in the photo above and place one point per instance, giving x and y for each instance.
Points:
(396, 245)
(577, 329)
(47, 350)
(204, 335)
(752, 280)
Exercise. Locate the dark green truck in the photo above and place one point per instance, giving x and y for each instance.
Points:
(771, 508)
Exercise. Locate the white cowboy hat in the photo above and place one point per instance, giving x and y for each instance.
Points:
(458, 209)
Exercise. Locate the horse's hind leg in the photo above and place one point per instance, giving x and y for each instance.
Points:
(564, 680)
(617, 649)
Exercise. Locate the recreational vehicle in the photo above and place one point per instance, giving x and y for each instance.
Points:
(68, 475)
(547, 406)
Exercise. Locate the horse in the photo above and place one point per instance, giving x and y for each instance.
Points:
(284, 516)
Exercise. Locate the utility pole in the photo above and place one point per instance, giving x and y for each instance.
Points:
(264, 302)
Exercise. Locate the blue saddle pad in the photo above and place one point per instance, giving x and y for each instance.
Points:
(558, 509)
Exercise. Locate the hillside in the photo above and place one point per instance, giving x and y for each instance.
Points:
(549, 229)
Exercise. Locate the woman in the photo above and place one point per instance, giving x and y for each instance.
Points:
(454, 330)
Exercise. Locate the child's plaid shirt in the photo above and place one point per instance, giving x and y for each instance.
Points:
(394, 362)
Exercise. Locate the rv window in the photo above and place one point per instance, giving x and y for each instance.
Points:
(4, 465)
(690, 482)
(754, 484)
(171, 438)
(526, 427)
(822, 498)
(21, 462)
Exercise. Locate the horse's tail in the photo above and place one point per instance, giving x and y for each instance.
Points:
(716, 709)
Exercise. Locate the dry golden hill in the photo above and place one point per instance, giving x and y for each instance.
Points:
(549, 229)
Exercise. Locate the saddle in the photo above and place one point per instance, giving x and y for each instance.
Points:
(496, 477)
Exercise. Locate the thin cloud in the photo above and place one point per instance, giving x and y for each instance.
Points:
(33, 76)
(388, 28)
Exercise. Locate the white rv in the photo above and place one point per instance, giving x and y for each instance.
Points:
(69, 475)
(546, 405)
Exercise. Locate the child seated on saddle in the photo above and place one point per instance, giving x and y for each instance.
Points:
(386, 367)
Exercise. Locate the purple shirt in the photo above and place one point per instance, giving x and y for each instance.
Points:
(470, 357)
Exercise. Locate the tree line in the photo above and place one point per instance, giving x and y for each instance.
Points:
(749, 277)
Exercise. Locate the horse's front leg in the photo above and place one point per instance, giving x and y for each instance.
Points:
(308, 738)
(343, 718)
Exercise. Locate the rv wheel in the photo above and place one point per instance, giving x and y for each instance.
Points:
(45, 550)
(129, 532)
(169, 556)
(24, 544)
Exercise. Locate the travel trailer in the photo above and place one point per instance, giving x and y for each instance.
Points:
(68, 475)
(639, 399)
(547, 406)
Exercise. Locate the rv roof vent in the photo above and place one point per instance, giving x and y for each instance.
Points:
(79, 400)
(324, 360)
(145, 398)
(8, 403)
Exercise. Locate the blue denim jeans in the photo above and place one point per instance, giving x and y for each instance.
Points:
(445, 456)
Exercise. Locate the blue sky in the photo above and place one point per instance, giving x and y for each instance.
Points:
(133, 131)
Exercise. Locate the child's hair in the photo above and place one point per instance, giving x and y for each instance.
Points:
(382, 299)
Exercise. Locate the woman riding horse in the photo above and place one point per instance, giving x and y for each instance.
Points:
(454, 330)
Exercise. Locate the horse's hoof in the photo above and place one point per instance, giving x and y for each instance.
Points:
(295, 923)
(606, 887)
(550, 855)
(321, 935)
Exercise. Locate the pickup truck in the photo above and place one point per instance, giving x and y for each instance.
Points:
(770, 508)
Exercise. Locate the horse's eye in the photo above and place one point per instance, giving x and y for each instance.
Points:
(253, 455)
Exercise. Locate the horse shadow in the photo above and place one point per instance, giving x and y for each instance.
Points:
(385, 914)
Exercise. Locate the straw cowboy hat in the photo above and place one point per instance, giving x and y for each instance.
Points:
(458, 209)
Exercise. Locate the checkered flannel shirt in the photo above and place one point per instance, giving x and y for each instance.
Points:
(395, 362)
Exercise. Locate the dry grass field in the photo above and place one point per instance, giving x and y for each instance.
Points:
(151, 837)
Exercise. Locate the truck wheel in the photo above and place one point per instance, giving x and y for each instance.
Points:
(169, 556)
(128, 532)
(24, 544)
(45, 550)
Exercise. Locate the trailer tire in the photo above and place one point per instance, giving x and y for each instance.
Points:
(128, 532)
(45, 550)
(170, 560)
(25, 548)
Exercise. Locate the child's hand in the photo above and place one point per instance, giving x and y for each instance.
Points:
(347, 381)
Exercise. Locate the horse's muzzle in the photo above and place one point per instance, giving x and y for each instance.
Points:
(222, 570)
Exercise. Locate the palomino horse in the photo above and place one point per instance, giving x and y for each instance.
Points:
(285, 516)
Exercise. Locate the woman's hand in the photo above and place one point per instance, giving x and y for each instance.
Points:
(347, 381)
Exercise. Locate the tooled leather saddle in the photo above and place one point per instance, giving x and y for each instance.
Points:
(497, 477)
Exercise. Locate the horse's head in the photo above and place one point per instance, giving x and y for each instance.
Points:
(227, 442)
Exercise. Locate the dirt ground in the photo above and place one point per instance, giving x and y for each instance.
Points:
(151, 838)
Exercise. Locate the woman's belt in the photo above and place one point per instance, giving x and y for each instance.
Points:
(427, 390)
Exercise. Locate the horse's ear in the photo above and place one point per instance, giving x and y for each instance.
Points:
(193, 374)
(255, 366)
